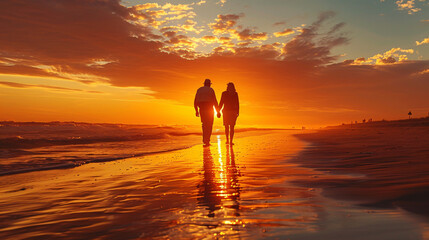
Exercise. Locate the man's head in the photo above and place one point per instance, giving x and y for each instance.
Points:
(207, 82)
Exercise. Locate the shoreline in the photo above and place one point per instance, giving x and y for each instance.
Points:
(391, 157)
(88, 161)
(22, 161)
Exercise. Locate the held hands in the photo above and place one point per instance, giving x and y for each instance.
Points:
(218, 114)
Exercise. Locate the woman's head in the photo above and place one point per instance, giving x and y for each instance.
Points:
(230, 87)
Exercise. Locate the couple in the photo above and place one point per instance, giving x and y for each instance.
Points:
(205, 101)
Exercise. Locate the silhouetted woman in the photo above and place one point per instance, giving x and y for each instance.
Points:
(230, 104)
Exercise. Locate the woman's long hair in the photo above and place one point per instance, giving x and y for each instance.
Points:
(230, 87)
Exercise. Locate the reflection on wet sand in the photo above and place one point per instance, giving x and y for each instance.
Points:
(245, 192)
(225, 212)
(219, 189)
(237, 205)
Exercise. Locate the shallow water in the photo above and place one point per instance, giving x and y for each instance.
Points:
(37, 146)
(239, 192)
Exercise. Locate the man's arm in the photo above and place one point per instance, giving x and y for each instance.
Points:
(221, 103)
(196, 105)
(216, 105)
(219, 107)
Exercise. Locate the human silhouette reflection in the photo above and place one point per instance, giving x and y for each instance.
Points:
(232, 179)
(219, 187)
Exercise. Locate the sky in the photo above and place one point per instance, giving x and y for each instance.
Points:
(294, 62)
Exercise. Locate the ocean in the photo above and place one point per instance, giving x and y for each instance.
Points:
(32, 146)
(36, 146)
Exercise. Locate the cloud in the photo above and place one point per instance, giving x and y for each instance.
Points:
(426, 71)
(424, 41)
(146, 6)
(224, 24)
(156, 15)
(285, 32)
(248, 34)
(177, 18)
(177, 8)
(47, 39)
(313, 46)
(99, 62)
(227, 26)
(279, 23)
(209, 39)
(394, 55)
(408, 5)
(22, 85)
(189, 26)
(221, 2)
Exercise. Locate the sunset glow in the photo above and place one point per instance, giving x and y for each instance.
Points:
(294, 63)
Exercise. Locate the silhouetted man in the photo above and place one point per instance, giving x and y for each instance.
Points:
(205, 102)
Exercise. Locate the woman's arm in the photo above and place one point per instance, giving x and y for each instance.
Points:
(222, 99)
(238, 106)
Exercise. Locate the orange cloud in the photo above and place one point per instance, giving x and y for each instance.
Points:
(157, 15)
(408, 5)
(178, 7)
(285, 32)
(426, 71)
(209, 39)
(424, 41)
(221, 2)
(189, 26)
(394, 55)
(146, 6)
(248, 34)
(225, 23)
(21, 85)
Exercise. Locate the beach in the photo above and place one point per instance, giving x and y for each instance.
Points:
(260, 188)
(391, 155)
(117, 119)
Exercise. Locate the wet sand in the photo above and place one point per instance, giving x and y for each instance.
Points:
(248, 191)
(392, 157)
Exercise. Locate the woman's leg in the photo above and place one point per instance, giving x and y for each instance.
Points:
(227, 133)
(231, 133)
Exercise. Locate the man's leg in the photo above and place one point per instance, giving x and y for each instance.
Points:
(207, 130)
(207, 124)
(204, 132)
